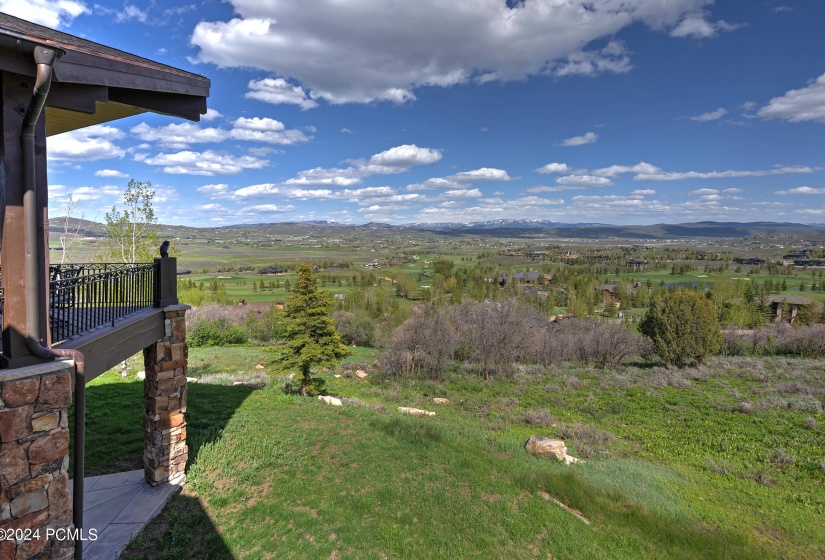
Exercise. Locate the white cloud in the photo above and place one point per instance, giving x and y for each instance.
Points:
(86, 144)
(802, 190)
(798, 105)
(698, 27)
(560, 188)
(216, 192)
(462, 193)
(266, 130)
(586, 138)
(613, 170)
(51, 13)
(676, 176)
(643, 192)
(405, 156)
(584, 181)
(711, 116)
(278, 91)
(211, 115)
(257, 191)
(482, 174)
(266, 209)
(704, 192)
(361, 50)
(555, 168)
(110, 173)
(132, 12)
(179, 135)
(206, 163)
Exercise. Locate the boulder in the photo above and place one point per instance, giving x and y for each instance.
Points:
(259, 366)
(250, 384)
(546, 447)
(415, 411)
(330, 400)
(360, 374)
(439, 400)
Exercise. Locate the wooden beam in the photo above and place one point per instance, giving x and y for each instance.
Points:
(185, 106)
(77, 97)
(16, 93)
(108, 346)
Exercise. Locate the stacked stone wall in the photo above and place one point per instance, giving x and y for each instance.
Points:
(35, 501)
(165, 390)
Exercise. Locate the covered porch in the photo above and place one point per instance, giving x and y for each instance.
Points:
(65, 325)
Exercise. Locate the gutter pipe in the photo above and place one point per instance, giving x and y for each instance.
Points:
(44, 57)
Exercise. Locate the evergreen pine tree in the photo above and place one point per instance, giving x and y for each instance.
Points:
(310, 334)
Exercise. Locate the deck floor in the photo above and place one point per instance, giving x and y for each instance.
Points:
(118, 506)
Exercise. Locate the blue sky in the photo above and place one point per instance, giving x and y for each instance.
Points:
(632, 111)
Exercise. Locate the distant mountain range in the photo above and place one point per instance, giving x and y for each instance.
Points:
(502, 228)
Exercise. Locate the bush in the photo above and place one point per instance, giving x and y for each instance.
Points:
(683, 326)
(218, 332)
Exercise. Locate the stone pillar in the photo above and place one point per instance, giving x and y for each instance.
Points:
(34, 461)
(164, 394)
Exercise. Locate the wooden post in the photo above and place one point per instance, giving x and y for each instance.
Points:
(16, 93)
(167, 282)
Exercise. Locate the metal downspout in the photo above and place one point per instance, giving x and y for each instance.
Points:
(45, 57)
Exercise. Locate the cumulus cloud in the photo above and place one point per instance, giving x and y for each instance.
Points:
(110, 173)
(278, 91)
(798, 105)
(586, 138)
(86, 144)
(179, 135)
(51, 13)
(584, 181)
(462, 193)
(480, 175)
(266, 209)
(559, 188)
(267, 130)
(711, 116)
(216, 191)
(257, 191)
(698, 27)
(555, 168)
(211, 115)
(361, 51)
(678, 176)
(643, 192)
(206, 163)
(131, 12)
(802, 190)
(406, 156)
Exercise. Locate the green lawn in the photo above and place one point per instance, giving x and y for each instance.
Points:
(724, 460)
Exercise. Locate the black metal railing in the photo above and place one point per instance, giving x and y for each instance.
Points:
(90, 295)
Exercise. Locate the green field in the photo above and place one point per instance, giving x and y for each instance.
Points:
(724, 460)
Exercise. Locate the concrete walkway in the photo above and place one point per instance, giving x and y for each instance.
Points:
(119, 506)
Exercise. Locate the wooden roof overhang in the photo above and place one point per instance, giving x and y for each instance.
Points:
(94, 83)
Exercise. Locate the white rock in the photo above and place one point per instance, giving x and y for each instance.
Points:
(330, 400)
(546, 447)
(259, 366)
(249, 384)
(439, 400)
(191, 379)
(415, 411)
(360, 374)
(336, 376)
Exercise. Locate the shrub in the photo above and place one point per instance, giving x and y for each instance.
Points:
(216, 332)
(683, 326)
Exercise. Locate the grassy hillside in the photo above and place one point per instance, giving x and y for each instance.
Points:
(720, 461)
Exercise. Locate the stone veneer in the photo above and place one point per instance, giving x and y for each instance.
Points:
(34, 460)
(164, 394)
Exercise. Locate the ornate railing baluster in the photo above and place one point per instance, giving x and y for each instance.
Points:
(90, 295)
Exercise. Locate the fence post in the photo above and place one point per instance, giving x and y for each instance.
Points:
(166, 282)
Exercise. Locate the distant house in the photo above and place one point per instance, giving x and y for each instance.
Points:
(749, 260)
(636, 262)
(791, 305)
(272, 270)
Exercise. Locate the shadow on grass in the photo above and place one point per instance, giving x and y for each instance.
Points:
(114, 422)
(409, 432)
(182, 530)
(114, 443)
